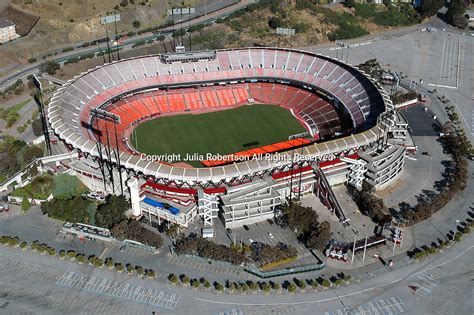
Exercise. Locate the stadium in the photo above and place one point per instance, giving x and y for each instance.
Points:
(278, 122)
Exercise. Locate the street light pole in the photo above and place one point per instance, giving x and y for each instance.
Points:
(455, 230)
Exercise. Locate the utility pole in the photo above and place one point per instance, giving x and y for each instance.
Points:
(116, 37)
(455, 230)
(44, 123)
(353, 250)
(365, 249)
(102, 52)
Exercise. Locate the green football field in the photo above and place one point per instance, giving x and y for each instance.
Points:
(223, 132)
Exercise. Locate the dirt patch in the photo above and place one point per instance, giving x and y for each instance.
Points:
(24, 22)
(389, 190)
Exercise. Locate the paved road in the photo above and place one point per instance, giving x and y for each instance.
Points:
(127, 43)
(33, 283)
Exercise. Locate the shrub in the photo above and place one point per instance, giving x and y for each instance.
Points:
(49, 67)
(150, 273)
(219, 287)
(109, 262)
(32, 60)
(81, 258)
(291, 288)
(119, 267)
(136, 24)
(185, 280)
(325, 283)
(173, 278)
(25, 204)
(66, 49)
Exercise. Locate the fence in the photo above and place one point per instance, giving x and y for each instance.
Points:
(257, 272)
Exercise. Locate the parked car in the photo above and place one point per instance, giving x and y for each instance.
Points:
(271, 235)
(270, 221)
(251, 241)
(246, 228)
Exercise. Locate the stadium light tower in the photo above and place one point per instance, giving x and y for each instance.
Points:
(44, 123)
(99, 114)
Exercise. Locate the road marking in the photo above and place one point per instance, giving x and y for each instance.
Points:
(340, 296)
(441, 69)
(118, 290)
(393, 305)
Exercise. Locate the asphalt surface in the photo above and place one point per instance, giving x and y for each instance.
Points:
(443, 60)
(34, 283)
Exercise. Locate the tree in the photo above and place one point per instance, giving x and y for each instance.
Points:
(320, 236)
(207, 284)
(71, 210)
(136, 24)
(123, 3)
(133, 230)
(109, 262)
(369, 204)
(325, 283)
(49, 67)
(37, 127)
(31, 153)
(291, 288)
(185, 280)
(112, 211)
(455, 14)
(274, 22)
(431, 7)
(195, 284)
(25, 204)
(373, 68)
(119, 267)
(173, 278)
(219, 287)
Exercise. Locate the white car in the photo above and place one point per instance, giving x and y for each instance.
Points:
(271, 235)
(251, 241)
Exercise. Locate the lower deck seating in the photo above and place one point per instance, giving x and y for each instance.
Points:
(318, 114)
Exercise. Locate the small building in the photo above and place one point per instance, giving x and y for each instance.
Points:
(7, 31)
(207, 232)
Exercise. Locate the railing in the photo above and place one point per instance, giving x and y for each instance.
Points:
(283, 272)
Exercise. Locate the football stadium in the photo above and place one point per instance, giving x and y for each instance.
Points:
(228, 134)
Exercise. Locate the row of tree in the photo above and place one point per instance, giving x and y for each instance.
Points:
(249, 285)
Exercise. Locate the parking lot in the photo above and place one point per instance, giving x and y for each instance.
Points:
(389, 306)
(122, 290)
